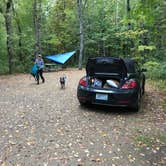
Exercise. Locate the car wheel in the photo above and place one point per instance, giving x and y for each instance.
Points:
(82, 103)
(143, 88)
(136, 107)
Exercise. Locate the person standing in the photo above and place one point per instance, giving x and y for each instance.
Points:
(40, 64)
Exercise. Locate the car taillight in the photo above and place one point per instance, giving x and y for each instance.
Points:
(130, 84)
(83, 81)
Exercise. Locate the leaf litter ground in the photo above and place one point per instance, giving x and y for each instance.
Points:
(45, 125)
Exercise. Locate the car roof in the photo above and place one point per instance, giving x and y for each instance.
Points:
(104, 57)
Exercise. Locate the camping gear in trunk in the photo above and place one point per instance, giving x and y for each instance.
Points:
(113, 83)
(108, 72)
(94, 82)
(103, 83)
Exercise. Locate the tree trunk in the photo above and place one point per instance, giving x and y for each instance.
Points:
(128, 6)
(20, 42)
(19, 34)
(117, 12)
(103, 30)
(128, 13)
(127, 43)
(8, 31)
(79, 5)
(36, 15)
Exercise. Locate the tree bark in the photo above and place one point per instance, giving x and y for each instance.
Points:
(8, 31)
(37, 19)
(117, 12)
(128, 13)
(20, 41)
(127, 42)
(79, 5)
(19, 34)
(128, 6)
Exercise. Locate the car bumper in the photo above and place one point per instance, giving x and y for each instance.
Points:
(114, 97)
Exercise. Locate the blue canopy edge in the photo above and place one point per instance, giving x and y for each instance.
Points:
(61, 58)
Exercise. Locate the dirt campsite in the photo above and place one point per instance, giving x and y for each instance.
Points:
(45, 125)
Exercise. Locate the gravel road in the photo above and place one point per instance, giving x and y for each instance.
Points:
(43, 125)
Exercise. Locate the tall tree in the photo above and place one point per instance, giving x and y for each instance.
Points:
(8, 31)
(18, 24)
(80, 7)
(128, 13)
(117, 12)
(37, 21)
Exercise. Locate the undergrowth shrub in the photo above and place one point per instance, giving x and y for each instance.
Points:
(155, 70)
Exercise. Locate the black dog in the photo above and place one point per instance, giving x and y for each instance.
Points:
(62, 81)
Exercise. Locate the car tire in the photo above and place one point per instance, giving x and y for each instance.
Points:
(82, 103)
(136, 107)
(143, 87)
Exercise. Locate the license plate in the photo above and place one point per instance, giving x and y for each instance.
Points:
(100, 96)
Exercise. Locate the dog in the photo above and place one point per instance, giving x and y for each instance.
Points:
(62, 81)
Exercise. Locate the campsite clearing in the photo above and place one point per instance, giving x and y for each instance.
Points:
(45, 125)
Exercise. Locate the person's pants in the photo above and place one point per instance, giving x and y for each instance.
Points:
(40, 74)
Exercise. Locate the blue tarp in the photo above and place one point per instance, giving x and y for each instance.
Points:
(61, 58)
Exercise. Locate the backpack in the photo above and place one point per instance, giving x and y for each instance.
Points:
(34, 70)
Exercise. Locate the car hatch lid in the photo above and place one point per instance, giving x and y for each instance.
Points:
(106, 66)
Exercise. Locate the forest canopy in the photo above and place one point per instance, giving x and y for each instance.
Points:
(119, 28)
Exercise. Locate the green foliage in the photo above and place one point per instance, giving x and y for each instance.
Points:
(159, 84)
(155, 70)
(143, 48)
(3, 51)
(106, 31)
(3, 66)
(150, 141)
(145, 140)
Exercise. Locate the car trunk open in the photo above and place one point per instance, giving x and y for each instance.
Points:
(106, 72)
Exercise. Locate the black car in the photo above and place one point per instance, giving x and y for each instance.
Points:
(113, 82)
